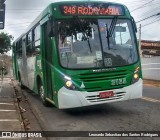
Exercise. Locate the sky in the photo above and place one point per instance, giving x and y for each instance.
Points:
(20, 13)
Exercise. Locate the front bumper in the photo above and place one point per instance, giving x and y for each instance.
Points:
(71, 98)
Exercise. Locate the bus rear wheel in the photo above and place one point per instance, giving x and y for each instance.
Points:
(20, 82)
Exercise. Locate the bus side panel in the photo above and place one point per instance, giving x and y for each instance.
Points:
(15, 62)
(37, 73)
(55, 74)
(14, 65)
(19, 68)
(31, 69)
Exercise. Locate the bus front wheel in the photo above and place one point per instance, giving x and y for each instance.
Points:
(42, 95)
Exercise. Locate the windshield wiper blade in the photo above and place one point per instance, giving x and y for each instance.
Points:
(83, 32)
(107, 37)
(112, 27)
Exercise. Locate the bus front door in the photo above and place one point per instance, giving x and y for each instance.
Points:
(47, 61)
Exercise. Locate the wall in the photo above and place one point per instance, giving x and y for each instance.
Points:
(151, 67)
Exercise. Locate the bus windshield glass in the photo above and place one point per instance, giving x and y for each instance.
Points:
(96, 43)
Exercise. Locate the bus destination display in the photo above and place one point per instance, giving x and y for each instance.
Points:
(92, 10)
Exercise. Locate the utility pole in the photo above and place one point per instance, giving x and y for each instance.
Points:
(140, 50)
(2, 14)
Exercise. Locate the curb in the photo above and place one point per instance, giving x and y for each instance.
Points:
(32, 110)
(17, 105)
(37, 114)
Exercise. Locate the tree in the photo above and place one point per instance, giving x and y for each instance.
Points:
(5, 42)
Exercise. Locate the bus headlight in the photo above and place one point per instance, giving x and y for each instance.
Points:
(135, 75)
(69, 84)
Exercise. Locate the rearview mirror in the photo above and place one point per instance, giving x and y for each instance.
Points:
(51, 33)
(120, 29)
(51, 27)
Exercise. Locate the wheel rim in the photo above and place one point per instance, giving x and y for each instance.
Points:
(41, 92)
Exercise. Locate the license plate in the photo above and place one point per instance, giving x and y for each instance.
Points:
(106, 94)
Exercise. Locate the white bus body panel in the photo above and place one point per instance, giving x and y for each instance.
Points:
(31, 69)
(72, 98)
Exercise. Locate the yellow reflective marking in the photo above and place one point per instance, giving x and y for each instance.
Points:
(6, 110)
(6, 104)
(8, 120)
(150, 99)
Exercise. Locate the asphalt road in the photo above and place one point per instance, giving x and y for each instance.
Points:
(133, 115)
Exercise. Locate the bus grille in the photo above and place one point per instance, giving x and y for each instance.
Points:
(93, 79)
(96, 98)
(98, 77)
(92, 89)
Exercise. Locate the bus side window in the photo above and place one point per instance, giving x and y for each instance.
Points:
(19, 49)
(29, 44)
(36, 40)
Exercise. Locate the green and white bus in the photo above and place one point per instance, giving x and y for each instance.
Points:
(79, 54)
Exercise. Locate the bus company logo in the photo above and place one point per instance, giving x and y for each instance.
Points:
(6, 134)
(104, 70)
(117, 82)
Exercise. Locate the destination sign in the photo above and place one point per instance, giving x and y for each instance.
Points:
(92, 9)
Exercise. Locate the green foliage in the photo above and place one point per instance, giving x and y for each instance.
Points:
(5, 42)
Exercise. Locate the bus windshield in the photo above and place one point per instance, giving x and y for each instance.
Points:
(96, 43)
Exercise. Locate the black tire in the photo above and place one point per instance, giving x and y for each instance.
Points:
(42, 94)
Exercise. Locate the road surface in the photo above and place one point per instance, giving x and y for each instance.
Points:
(133, 115)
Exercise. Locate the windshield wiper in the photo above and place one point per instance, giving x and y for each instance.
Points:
(112, 27)
(83, 32)
(111, 30)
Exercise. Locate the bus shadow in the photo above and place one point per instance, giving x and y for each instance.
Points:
(35, 96)
(104, 109)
